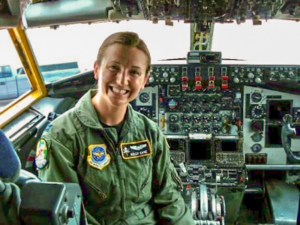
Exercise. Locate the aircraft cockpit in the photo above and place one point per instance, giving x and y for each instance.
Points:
(224, 88)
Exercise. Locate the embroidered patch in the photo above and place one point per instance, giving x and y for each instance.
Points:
(136, 149)
(41, 159)
(98, 156)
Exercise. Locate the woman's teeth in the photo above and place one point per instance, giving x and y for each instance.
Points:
(118, 91)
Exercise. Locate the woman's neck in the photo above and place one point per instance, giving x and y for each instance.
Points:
(109, 115)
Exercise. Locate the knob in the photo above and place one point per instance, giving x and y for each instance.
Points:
(196, 119)
(236, 80)
(173, 128)
(196, 129)
(186, 129)
(151, 79)
(165, 74)
(172, 79)
(257, 80)
(250, 75)
(258, 70)
(291, 74)
(206, 129)
(185, 119)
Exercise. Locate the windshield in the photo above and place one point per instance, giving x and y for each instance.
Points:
(11, 85)
(80, 43)
(273, 42)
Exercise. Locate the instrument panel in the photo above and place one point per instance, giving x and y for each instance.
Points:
(225, 115)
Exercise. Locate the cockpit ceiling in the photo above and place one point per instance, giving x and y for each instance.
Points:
(37, 13)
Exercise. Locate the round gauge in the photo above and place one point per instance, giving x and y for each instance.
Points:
(172, 104)
(185, 99)
(185, 119)
(173, 127)
(256, 148)
(256, 97)
(173, 118)
(186, 129)
(257, 112)
(205, 118)
(216, 118)
(256, 137)
(206, 129)
(196, 108)
(144, 97)
(196, 129)
(195, 119)
(216, 129)
(215, 108)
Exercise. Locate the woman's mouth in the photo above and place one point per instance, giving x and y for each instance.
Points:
(119, 91)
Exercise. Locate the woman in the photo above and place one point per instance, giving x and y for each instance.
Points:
(119, 157)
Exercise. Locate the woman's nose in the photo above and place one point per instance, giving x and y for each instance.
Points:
(122, 78)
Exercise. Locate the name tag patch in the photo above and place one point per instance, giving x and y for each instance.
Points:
(134, 150)
(98, 156)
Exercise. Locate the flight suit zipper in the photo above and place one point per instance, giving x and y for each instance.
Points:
(120, 169)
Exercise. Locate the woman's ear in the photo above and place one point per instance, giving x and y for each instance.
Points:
(145, 81)
(96, 70)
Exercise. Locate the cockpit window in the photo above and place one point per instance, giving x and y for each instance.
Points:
(80, 43)
(11, 84)
(273, 42)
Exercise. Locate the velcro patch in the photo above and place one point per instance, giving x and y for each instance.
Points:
(134, 150)
(42, 158)
(98, 156)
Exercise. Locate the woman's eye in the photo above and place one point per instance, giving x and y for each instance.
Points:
(135, 73)
(114, 68)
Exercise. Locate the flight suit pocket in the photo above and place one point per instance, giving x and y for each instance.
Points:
(145, 181)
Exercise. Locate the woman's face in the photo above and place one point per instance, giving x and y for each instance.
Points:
(121, 75)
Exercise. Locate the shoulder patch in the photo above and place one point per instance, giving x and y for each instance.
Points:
(98, 156)
(42, 156)
(134, 150)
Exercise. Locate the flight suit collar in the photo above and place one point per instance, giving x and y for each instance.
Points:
(88, 116)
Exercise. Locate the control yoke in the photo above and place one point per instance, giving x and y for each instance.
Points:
(286, 133)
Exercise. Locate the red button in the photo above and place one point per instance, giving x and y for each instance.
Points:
(198, 78)
(224, 86)
(198, 87)
(185, 79)
(212, 78)
(185, 87)
(161, 99)
(224, 77)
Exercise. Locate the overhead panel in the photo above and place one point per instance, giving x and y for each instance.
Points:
(9, 13)
(62, 12)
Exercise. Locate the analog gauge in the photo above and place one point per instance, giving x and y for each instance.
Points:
(173, 118)
(205, 109)
(144, 97)
(256, 97)
(196, 129)
(195, 98)
(186, 129)
(206, 129)
(256, 137)
(196, 119)
(205, 98)
(196, 108)
(174, 127)
(205, 118)
(185, 99)
(215, 108)
(185, 119)
(216, 118)
(257, 112)
(172, 104)
(216, 129)
(256, 148)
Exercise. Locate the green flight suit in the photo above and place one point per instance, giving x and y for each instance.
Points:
(143, 190)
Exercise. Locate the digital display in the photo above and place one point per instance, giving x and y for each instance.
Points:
(229, 146)
(200, 149)
(278, 108)
(273, 136)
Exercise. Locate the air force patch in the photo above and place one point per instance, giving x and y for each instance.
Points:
(41, 159)
(134, 150)
(98, 156)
